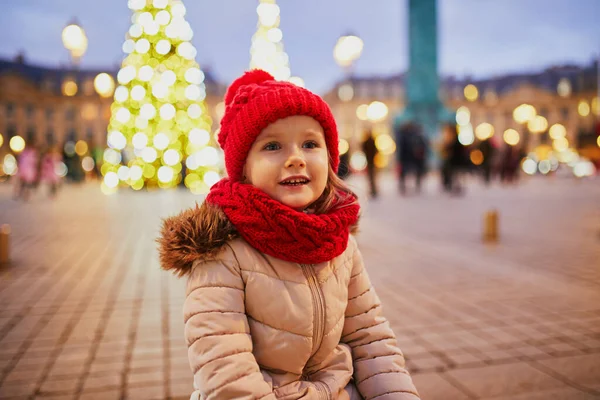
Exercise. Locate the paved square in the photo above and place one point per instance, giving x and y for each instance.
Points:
(88, 314)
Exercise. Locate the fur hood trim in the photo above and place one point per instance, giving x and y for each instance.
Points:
(198, 233)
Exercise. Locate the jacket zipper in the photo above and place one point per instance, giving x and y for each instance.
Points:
(319, 306)
(319, 322)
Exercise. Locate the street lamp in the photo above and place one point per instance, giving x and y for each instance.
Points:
(75, 40)
(347, 50)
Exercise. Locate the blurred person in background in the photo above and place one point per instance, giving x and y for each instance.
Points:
(411, 154)
(344, 168)
(370, 150)
(488, 150)
(27, 173)
(509, 164)
(454, 159)
(48, 165)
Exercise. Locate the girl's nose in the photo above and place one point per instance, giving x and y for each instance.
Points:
(295, 159)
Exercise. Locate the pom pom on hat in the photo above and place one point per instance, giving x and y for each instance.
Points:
(255, 76)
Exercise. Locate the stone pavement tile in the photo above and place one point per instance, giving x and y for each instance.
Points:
(504, 380)
(464, 359)
(590, 343)
(105, 382)
(44, 396)
(561, 348)
(180, 373)
(498, 356)
(62, 386)
(144, 378)
(472, 338)
(104, 368)
(143, 363)
(530, 351)
(67, 368)
(431, 363)
(554, 394)
(24, 373)
(432, 386)
(17, 389)
(583, 370)
(147, 392)
(181, 388)
(112, 349)
(113, 394)
(147, 353)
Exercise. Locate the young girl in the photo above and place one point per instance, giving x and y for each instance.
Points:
(279, 305)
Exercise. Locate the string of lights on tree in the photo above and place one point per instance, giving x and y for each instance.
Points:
(160, 129)
(267, 50)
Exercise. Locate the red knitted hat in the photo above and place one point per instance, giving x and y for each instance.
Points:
(256, 100)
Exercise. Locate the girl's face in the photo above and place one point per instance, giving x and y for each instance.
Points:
(289, 161)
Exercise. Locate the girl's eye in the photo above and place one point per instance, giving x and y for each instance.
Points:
(272, 146)
(311, 144)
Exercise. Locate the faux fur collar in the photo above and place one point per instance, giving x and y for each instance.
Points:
(198, 233)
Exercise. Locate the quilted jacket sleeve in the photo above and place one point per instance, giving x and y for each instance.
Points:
(379, 368)
(218, 335)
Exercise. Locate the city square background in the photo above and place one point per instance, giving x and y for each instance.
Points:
(491, 283)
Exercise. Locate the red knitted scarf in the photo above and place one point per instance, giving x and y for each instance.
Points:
(280, 231)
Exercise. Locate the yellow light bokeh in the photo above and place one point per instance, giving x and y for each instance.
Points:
(347, 50)
(381, 160)
(377, 111)
(557, 131)
(471, 92)
(75, 40)
(343, 146)
(385, 144)
(524, 113)
(104, 85)
(564, 88)
(538, 124)
(17, 144)
(69, 88)
(463, 116)
(583, 108)
(598, 141)
(361, 112)
(511, 137)
(543, 151)
(81, 148)
(476, 157)
(1, 140)
(560, 144)
(484, 131)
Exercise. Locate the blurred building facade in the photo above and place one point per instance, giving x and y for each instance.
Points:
(566, 95)
(52, 106)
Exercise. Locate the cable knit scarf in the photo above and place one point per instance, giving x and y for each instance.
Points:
(280, 231)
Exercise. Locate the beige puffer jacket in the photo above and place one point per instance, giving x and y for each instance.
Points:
(258, 327)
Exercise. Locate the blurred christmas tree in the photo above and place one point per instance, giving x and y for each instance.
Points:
(267, 44)
(159, 131)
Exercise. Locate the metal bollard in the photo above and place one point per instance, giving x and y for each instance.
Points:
(490, 226)
(4, 243)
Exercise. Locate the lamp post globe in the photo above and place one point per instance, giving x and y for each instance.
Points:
(75, 40)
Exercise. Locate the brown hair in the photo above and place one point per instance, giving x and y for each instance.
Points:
(336, 192)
